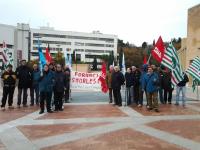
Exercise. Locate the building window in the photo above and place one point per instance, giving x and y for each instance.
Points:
(79, 44)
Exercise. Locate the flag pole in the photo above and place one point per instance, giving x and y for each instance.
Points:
(149, 59)
(198, 91)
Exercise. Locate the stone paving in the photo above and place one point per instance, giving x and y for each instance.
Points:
(101, 126)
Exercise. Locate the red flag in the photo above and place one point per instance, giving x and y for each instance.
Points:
(48, 55)
(145, 59)
(159, 49)
(102, 78)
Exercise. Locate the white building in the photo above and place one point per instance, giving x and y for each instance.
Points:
(23, 41)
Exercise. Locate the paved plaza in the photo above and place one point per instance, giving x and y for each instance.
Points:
(89, 123)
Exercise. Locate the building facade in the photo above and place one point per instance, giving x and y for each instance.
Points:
(193, 34)
(23, 42)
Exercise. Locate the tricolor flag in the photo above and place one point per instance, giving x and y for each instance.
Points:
(3, 52)
(171, 61)
(194, 69)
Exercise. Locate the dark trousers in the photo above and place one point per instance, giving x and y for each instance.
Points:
(67, 90)
(117, 97)
(129, 95)
(110, 95)
(136, 94)
(8, 91)
(20, 90)
(161, 95)
(168, 95)
(141, 93)
(34, 90)
(45, 96)
(58, 100)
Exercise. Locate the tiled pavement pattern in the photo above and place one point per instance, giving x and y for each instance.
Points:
(101, 126)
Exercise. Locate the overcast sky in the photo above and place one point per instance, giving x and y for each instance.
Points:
(132, 20)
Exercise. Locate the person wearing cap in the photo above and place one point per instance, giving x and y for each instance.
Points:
(8, 79)
(24, 75)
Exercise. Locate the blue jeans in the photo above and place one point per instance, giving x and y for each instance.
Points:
(129, 95)
(178, 90)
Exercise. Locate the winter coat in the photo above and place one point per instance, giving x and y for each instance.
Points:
(184, 81)
(60, 81)
(24, 75)
(36, 77)
(137, 75)
(9, 78)
(167, 84)
(129, 79)
(46, 82)
(150, 82)
(117, 80)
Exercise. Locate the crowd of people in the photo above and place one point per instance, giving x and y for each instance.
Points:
(148, 80)
(50, 86)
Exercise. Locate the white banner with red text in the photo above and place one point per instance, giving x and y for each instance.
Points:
(85, 81)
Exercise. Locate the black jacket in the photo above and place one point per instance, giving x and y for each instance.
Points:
(129, 79)
(24, 74)
(60, 81)
(137, 75)
(117, 80)
(9, 78)
(167, 84)
(184, 81)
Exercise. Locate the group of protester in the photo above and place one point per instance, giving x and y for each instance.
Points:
(50, 86)
(149, 80)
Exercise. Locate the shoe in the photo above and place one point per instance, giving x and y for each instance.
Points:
(149, 109)
(3, 108)
(10, 107)
(156, 110)
(31, 104)
(169, 103)
(41, 112)
(61, 109)
(18, 106)
(184, 105)
(139, 105)
(55, 109)
(50, 111)
(25, 105)
(120, 105)
(176, 104)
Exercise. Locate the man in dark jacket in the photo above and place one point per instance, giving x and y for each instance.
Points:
(67, 91)
(167, 85)
(116, 83)
(129, 78)
(136, 85)
(46, 83)
(35, 85)
(24, 76)
(59, 87)
(181, 88)
(8, 84)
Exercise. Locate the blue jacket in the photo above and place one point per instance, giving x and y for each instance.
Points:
(46, 82)
(150, 82)
(36, 77)
(143, 73)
